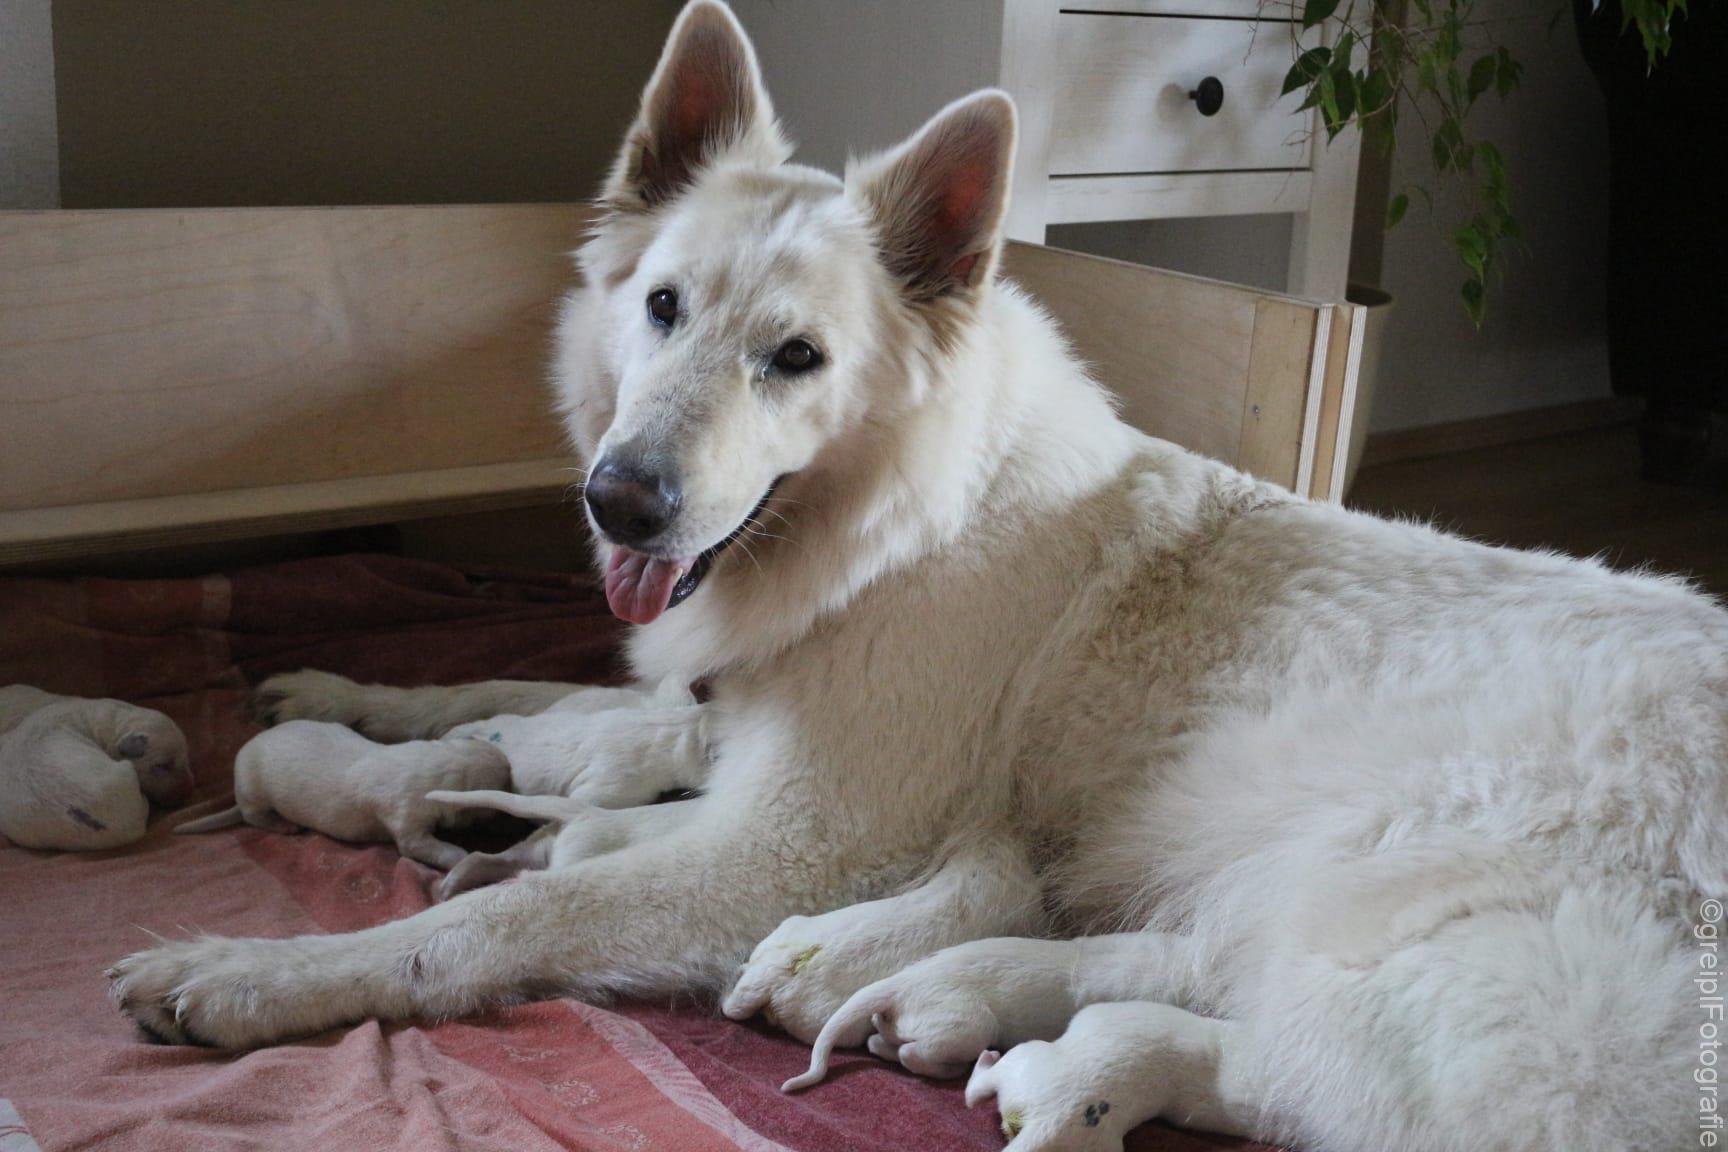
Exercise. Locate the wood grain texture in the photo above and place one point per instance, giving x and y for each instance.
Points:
(1175, 349)
(1218, 368)
(1274, 405)
(34, 535)
(180, 376)
(164, 353)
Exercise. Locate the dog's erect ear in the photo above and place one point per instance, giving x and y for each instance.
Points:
(939, 199)
(704, 101)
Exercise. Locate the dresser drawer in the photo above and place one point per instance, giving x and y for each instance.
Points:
(1122, 104)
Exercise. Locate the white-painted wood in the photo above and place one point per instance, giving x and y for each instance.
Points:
(1090, 199)
(1028, 31)
(1263, 10)
(1320, 240)
(1123, 105)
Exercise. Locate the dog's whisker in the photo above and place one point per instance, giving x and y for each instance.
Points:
(781, 516)
(750, 554)
(762, 533)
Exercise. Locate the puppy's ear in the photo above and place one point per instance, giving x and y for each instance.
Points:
(938, 200)
(705, 101)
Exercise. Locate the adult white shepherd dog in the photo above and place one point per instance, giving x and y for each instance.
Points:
(1379, 839)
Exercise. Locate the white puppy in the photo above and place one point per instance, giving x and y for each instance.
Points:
(589, 746)
(79, 775)
(332, 780)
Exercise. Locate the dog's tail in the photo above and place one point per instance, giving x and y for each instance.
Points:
(227, 818)
(528, 807)
(849, 1027)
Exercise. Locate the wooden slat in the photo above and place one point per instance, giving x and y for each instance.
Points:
(1338, 388)
(166, 353)
(237, 514)
(1175, 349)
(1190, 359)
(175, 377)
(1274, 407)
(1091, 199)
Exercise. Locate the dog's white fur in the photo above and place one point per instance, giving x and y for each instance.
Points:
(1416, 824)
(309, 774)
(80, 775)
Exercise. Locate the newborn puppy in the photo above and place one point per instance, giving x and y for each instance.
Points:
(935, 1016)
(609, 747)
(75, 774)
(329, 778)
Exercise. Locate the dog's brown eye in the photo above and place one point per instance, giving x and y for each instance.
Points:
(663, 307)
(797, 356)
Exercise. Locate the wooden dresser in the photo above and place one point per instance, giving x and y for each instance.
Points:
(1130, 109)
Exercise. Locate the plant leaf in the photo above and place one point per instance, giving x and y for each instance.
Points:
(1395, 210)
(1473, 293)
(1307, 68)
(1506, 73)
(1482, 74)
(1314, 11)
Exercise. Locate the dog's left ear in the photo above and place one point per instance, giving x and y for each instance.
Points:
(938, 200)
(705, 100)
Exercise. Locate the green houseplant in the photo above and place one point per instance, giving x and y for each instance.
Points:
(1424, 65)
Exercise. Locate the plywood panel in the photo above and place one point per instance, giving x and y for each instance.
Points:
(1174, 348)
(148, 354)
(1280, 362)
(168, 377)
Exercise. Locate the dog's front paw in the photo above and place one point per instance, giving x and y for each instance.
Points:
(806, 968)
(209, 992)
(1043, 1107)
(306, 695)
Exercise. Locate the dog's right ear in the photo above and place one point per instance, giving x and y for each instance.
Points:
(939, 200)
(705, 101)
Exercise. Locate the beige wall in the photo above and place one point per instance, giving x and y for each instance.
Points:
(29, 167)
(217, 102)
(1544, 340)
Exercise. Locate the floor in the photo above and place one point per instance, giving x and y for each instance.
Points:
(1579, 493)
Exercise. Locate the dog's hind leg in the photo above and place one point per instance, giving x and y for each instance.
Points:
(391, 715)
(810, 965)
(1116, 1067)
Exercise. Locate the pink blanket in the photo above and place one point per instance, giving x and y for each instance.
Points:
(555, 1075)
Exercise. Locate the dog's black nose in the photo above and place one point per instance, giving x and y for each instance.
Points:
(632, 504)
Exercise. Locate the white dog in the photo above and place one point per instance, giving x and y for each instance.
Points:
(307, 774)
(1402, 835)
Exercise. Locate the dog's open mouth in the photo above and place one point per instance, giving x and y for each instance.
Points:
(640, 588)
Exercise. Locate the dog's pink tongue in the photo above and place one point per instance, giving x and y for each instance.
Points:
(638, 587)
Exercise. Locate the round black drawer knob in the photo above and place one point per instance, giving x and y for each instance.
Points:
(1209, 96)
